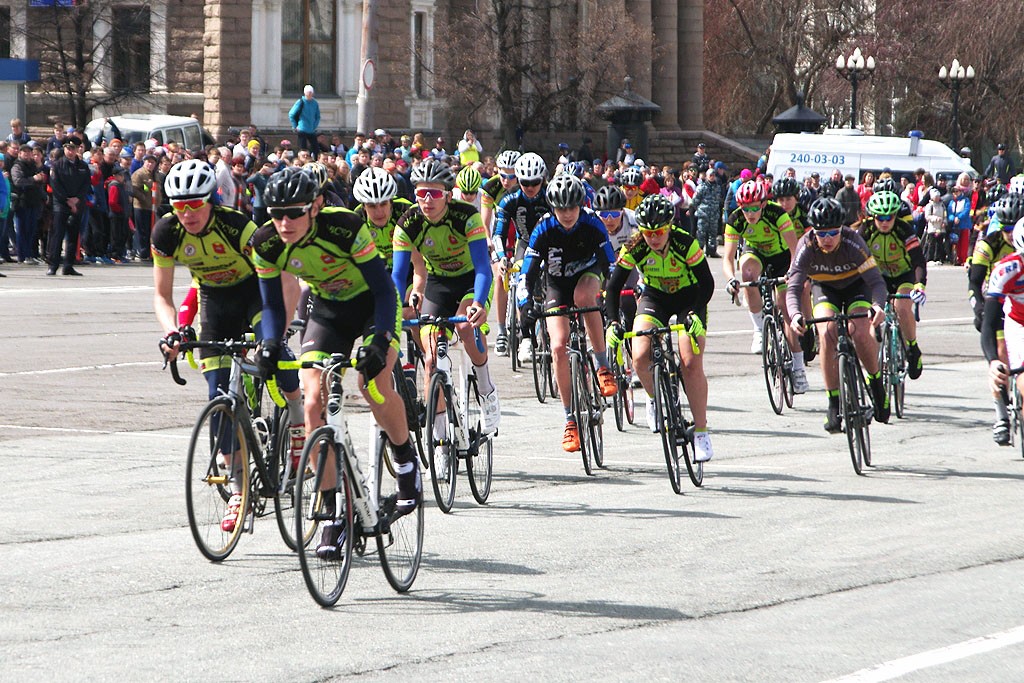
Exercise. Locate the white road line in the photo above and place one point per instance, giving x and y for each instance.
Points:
(78, 290)
(94, 431)
(943, 655)
(935, 321)
(83, 368)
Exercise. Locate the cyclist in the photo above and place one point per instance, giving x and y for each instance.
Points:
(1004, 284)
(620, 222)
(786, 193)
(522, 208)
(381, 207)
(897, 253)
(677, 280)
(332, 251)
(889, 184)
(631, 178)
(467, 186)
(579, 169)
(493, 191)
(452, 240)
(769, 243)
(573, 244)
(213, 243)
(988, 252)
(844, 277)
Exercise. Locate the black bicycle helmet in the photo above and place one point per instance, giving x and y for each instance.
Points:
(886, 185)
(995, 193)
(433, 171)
(655, 211)
(805, 198)
(631, 177)
(290, 186)
(565, 191)
(826, 213)
(609, 198)
(786, 187)
(1009, 209)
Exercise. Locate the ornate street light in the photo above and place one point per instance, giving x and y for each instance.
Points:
(953, 79)
(855, 68)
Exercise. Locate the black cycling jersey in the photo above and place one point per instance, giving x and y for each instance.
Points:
(523, 212)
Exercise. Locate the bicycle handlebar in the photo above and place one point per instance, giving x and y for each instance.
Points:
(570, 310)
(837, 316)
(331, 361)
(668, 329)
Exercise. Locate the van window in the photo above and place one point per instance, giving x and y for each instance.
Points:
(192, 138)
(158, 136)
(174, 135)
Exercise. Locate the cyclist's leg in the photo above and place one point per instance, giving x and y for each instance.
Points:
(692, 369)
(828, 302)
(751, 269)
(560, 293)
(651, 313)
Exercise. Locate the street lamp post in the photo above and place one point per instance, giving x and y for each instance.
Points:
(953, 79)
(855, 69)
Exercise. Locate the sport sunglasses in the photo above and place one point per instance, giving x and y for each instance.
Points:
(183, 205)
(752, 208)
(885, 217)
(609, 214)
(424, 192)
(530, 183)
(828, 233)
(655, 232)
(508, 176)
(292, 212)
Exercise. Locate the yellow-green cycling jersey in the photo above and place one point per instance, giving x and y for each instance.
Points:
(444, 245)
(219, 256)
(767, 236)
(668, 272)
(384, 237)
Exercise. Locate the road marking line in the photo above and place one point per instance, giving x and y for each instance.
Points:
(935, 321)
(94, 431)
(62, 290)
(83, 368)
(943, 655)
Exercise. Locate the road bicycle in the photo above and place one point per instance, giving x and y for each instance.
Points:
(509, 282)
(587, 403)
(540, 354)
(671, 405)
(238, 446)
(362, 507)
(776, 356)
(1014, 408)
(892, 355)
(454, 394)
(621, 365)
(855, 401)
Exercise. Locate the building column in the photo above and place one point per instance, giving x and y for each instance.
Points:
(227, 61)
(641, 70)
(690, 72)
(665, 20)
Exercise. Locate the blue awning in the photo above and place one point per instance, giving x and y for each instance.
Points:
(21, 70)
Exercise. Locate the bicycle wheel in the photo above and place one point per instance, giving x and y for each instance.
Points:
(595, 429)
(771, 362)
(541, 355)
(400, 541)
(217, 464)
(512, 325)
(480, 459)
(899, 374)
(885, 359)
(684, 436)
(325, 577)
(665, 416)
(853, 414)
(581, 408)
(1018, 421)
(284, 502)
(442, 451)
(788, 392)
(406, 387)
(626, 386)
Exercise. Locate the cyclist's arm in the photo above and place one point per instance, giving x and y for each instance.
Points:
(163, 304)
(500, 226)
(990, 326)
(400, 269)
(482, 265)
(796, 277)
(613, 290)
(189, 306)
(705, 281)
(918, 263)
(976, 283)
(274, 319)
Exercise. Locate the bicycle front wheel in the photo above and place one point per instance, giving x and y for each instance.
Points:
(325, 573)
(400, 541)
(1017, 428)
(284, 509)
(581, 408)
(771, 362)
(512, 325)
(217, 466)
(595, 429)
(854, 418)
(541, 355)
(665, 417)
(899, 374)
(480, 459)
(442, 448)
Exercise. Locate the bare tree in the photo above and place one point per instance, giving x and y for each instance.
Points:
(540, 64)
(77, 50)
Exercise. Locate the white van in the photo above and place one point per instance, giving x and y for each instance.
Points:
(854, 153)
(163, 128)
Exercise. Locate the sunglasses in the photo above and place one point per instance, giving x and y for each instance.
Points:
(188, 204)
(508, 176)
(655, 232)
(530, 183)
(888, 217)
(753, 208)
(424, 193)
(292, 212)
(828, 233)
(609, 214)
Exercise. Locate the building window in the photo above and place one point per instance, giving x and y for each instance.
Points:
(5, 32)
(419, 53)
(308, 52)
(130, 49)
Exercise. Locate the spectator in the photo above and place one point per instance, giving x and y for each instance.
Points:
(28, 196)
(1000, 166)
(866, 189)
(469, 149)
(404, 186)
(305, 119)
(700, 159)
(584, 153)
(594, 175)
(118, 204)
(958, 214)
(18, 133)
(935, 248)
(438, 152)
(730, 193)
(342, 183)
(361, 163)
(848, 197)
(70, 181)
(358, 140)
(60, 133)
(5, 221)
(258, 182)
(564, 155)
(404, 151)
(831, 186)
(707, 209)
(142, 206)
(671, 190)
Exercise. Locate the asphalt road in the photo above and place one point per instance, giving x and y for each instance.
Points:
(785, 566)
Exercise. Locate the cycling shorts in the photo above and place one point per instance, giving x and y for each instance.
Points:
(826, 300)
(444, 295)
(901, 284)
(778, 264)
(228, 313)
(561, 290)
(657, 307)
(334, 326)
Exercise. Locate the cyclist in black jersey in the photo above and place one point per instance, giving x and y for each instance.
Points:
(213, 243)
(517, 215)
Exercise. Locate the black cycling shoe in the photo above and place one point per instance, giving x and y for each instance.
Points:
(914, 364)
(834, 421)
(881, 397)
(1001, 432)
(332, 540)
(410, 489)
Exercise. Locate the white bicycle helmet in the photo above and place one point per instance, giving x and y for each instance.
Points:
(190, 179)
(531, 167)
(507, 159)
(1018, 236)
(374, 186)
(1017, 183)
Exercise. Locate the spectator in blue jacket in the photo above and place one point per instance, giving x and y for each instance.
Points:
(305, 119)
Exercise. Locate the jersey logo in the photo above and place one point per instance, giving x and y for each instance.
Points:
(327, 258)
(190, 250)
(296, 263)
(452, 240)
(218, 248)
(428, 242)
